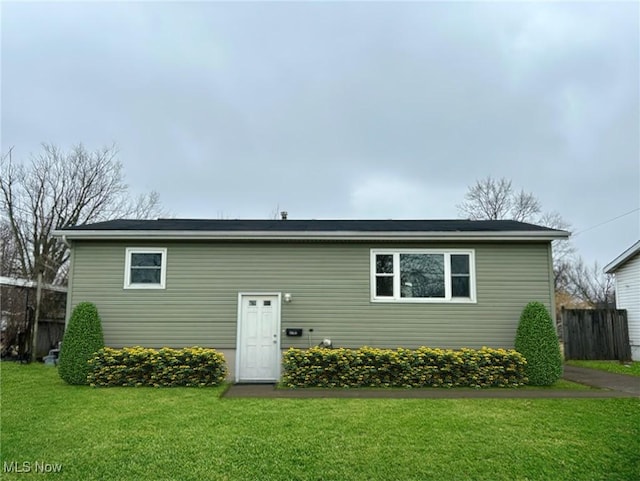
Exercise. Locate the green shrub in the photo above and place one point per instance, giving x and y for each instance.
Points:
(81, 340)
(537, 341)
(139, 366)
(423, 367)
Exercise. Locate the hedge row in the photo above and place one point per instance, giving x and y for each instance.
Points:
(139, 366)
(423, 367)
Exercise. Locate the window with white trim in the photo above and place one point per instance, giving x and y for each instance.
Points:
(145, 268)
(423, 275)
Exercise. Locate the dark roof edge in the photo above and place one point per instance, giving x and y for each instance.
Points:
(546, 235)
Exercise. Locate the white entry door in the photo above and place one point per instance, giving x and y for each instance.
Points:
(258, 356)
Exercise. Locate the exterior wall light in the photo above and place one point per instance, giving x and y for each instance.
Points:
(287, 297)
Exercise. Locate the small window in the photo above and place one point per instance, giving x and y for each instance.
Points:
(253, 303)
(267, 303)
(384, 275)
(460, 276)
(423, 275)
(145, 268)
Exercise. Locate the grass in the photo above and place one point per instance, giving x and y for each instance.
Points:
(192, 434)
(632, 368)
(562, 384)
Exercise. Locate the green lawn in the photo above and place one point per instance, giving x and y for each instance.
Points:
(562, 384)
(632, 368)
(192, 434)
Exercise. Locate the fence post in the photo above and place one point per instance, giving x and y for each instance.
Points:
(34, 339)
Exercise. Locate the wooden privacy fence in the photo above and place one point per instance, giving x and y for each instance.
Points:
(596, 334)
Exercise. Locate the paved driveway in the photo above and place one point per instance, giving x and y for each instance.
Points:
(603, 380)
(609, 384)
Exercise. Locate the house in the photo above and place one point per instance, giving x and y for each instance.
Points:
(626, 270)
(252, 288)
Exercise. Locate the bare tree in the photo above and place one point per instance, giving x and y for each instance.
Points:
(590, 285)
(59, 189)
(56, 189)
(563, 250)
(524, 206)
(491, 199)
(8, 254)
(144, 206)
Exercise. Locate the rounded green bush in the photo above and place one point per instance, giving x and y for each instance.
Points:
(81, 340)
(537, 341)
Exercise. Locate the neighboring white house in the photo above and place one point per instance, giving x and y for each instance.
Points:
(626, 268)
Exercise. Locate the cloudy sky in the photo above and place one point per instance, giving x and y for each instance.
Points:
(340, 110)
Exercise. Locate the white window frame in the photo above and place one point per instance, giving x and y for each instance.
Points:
(145, 250)
(447, 299)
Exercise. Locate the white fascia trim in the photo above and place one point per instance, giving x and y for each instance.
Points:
(612, 266)
(310, 235)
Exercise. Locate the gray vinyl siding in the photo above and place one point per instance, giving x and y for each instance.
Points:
(330, 286)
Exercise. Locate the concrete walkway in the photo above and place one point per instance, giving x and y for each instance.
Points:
(604, 380)
(611, 386)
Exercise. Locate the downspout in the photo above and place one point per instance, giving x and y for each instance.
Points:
(69, 281)
(552, 288)
(552, 281)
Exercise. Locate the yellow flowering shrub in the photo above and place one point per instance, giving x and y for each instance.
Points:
(422, 367)
(140, 366)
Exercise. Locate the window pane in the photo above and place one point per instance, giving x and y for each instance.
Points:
(384, 286)
(460, 287)
(146, 260)
(145, 276)
(384, 264)
(459, 263)
(267, 303)
(422, 275)
(253, 303)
